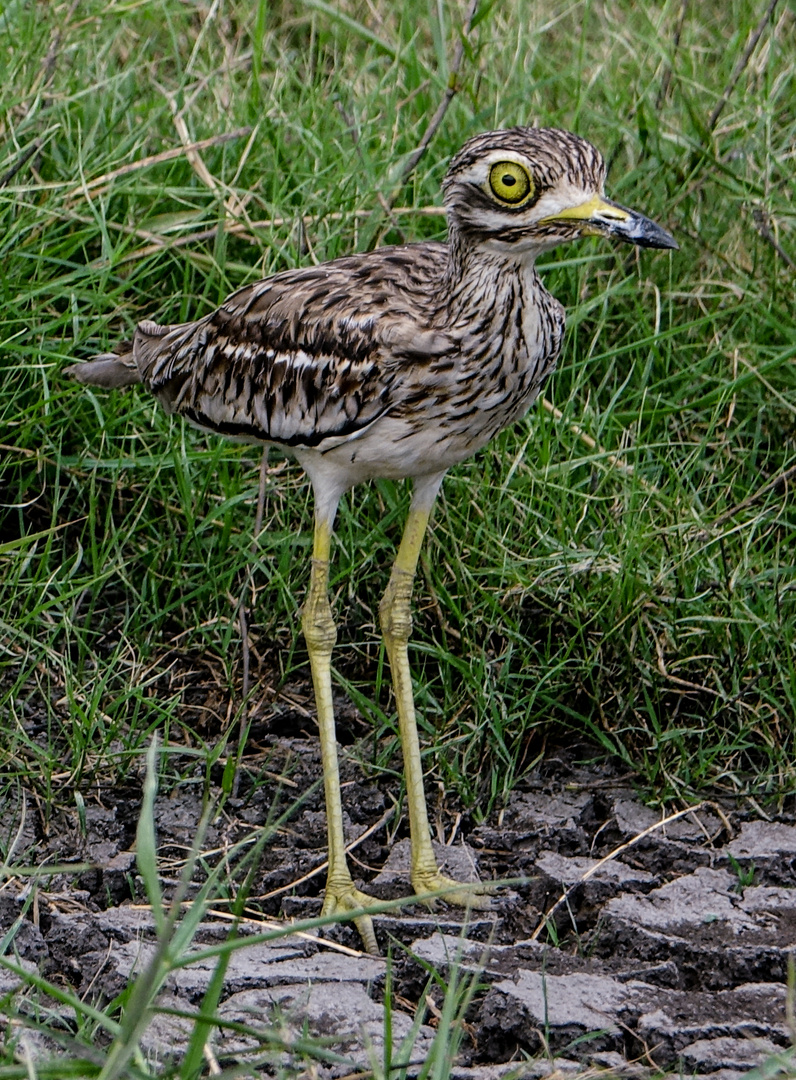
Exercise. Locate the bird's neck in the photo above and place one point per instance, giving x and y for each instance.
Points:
(483, 280)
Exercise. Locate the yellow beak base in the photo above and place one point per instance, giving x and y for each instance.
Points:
(601, 217)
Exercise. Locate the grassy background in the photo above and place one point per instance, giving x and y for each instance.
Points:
(640, 590)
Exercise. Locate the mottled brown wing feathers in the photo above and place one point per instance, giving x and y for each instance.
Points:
(305, 358)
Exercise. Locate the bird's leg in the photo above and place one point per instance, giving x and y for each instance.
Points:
(395, 614)
(320, 634)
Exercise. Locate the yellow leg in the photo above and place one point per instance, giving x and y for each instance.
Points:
(396, 624)
(320, 634)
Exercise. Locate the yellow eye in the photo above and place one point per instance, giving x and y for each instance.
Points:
(510, 182)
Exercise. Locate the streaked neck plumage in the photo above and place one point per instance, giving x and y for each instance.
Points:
(483, 277)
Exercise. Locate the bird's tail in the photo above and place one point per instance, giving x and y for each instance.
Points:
(110, 370)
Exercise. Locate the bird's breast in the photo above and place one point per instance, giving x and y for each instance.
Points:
(506, 356)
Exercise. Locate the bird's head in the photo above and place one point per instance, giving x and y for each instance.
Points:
(525, 190)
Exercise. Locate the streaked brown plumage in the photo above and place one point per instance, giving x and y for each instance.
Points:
(396, 363)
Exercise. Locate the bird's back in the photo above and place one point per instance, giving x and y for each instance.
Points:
(304, 358)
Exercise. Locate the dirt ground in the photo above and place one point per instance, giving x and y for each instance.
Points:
(671, 956)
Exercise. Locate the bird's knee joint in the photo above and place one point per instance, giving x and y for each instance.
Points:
(395, 609)
(318, 626)
(397, 627)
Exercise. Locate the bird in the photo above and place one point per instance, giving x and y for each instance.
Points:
(396, 363)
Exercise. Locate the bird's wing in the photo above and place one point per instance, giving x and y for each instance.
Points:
(307, 358)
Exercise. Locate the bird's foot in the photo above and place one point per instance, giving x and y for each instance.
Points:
(469, 894)
(343, 899)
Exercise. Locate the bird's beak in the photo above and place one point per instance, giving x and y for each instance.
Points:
(601, 217)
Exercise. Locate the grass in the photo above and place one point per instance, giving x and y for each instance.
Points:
(648, 604)
(638, 589)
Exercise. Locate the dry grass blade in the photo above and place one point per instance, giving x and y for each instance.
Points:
(245, 231)
(251, 919)
(99, 182)
(686, 684)
(246, 589)
(763, 226)
(740, 67)
(609, 858)
(439, 115)
(663, 93)
(777, 482)
(192, 154)
(385, 817)
(234, 206)
(22, 159)
(594, 446)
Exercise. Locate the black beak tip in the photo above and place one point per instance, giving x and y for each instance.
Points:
(649, 234)
(664, 241)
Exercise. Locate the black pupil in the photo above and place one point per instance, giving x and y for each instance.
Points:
(509, 180)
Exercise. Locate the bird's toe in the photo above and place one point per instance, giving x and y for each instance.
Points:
(469, 894)
(342, 901)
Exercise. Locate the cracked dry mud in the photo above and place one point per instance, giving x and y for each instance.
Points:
(671, 958)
